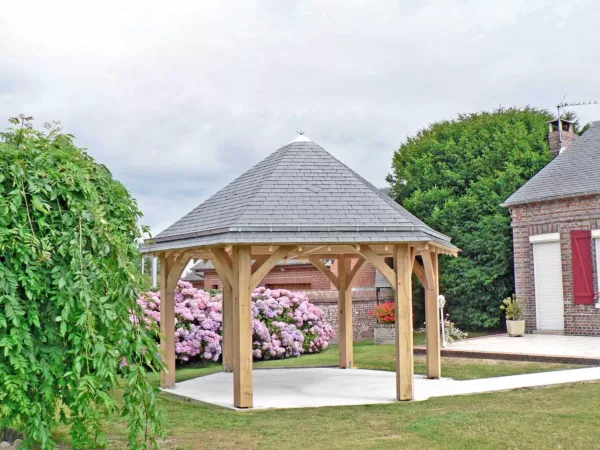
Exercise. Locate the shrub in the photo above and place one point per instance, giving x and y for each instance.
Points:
(452, 332)
(68, 282)
(284, 323)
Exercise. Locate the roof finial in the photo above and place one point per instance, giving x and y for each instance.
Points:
(301, 137)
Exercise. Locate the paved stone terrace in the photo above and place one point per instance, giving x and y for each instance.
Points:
(533, 347)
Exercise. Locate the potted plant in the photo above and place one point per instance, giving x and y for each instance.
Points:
(513, 310)
(384, 331)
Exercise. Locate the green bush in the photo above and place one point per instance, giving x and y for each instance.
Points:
(453, 176)
(68, 284)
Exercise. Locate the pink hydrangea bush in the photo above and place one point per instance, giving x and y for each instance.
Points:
(198, 321)
(284, 323)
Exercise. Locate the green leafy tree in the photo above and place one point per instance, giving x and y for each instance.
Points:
(68, 286)
(453, 176)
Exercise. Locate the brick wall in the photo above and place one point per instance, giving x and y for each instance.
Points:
(281, 275)
(299, 274)
(558, 216)
(322, 293)
(554, 141)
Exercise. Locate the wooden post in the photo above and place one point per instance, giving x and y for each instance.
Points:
(403, 265)
(432, 318)
(167, 322)
(171, 267)
(227, 326)
(345, 313)
(223, 265)
(242, 328)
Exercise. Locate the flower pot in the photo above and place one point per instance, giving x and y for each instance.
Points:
(384, 333)
(515, 327)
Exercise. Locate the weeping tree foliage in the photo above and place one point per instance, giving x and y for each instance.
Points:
(453, 175)
(68, 285)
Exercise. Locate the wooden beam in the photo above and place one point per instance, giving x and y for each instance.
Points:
(379, 263)
(430, 277)
(167, 323)
(227, 327)
(355, 270)
(227, 312)
(345, 313)
(419, 272)
(312, 250)
(171, 267)
(432, 317)
(242, 328)
(326, 270)
(222, 258)
(404, 326)
(265, 268)
(442, 249)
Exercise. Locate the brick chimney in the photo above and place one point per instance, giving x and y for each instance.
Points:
(555, 136)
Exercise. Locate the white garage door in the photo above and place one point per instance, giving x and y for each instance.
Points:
(548, 286)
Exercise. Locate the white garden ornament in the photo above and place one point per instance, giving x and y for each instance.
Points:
(442, 303)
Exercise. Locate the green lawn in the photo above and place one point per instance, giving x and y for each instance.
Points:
(381, 357)
(560, 417)
(419, 338)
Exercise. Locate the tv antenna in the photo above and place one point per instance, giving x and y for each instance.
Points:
(564, 104)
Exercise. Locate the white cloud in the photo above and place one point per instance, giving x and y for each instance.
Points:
(178, 98)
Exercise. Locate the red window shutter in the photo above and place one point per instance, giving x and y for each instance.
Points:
(581, 252)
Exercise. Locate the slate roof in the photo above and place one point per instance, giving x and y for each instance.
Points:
(193, 276)
(302, 194)
(575, 172)
(381, 281)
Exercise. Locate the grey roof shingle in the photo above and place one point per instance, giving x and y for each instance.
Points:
(300, 193)
(576, 171)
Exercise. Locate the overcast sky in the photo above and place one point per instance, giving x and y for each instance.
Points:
(179, 98)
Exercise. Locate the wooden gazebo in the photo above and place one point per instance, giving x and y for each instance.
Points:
(301, 202)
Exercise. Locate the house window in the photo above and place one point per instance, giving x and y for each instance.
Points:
(547, 275)
(215, 286)
(596, 238)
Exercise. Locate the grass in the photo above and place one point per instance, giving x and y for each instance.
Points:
(381, 357)
(559, 417)
(419, 338)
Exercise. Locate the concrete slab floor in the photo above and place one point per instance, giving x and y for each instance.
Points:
(316, 387)
(533, 344)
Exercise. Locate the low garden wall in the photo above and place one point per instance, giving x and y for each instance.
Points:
(363, 302)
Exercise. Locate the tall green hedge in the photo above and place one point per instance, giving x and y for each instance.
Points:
(68, 285)
(453, 175)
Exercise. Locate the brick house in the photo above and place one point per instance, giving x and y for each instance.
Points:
(556, 235)
(369, 289)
